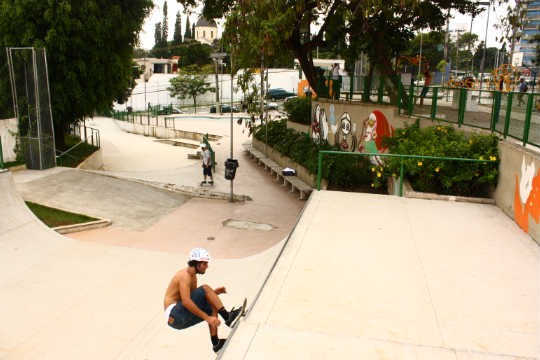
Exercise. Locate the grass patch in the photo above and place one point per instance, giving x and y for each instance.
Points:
(54, 217)
(77, 154)
(9, 164)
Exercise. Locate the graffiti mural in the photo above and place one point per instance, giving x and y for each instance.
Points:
(375, 127)
(319, 125)
(347, 135)
(527, 196)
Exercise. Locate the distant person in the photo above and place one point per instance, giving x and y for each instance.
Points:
(187, 305)
(206, 164)
(522, 90)
(335, 81)
(427, 82)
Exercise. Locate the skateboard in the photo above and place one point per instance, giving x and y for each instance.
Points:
(242, 313)
(206, 184)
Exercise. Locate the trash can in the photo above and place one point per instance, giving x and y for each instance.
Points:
(230, 168)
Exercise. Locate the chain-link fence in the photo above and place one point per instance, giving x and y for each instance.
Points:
(32, 107)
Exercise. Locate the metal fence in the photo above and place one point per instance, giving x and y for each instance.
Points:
(511, 114)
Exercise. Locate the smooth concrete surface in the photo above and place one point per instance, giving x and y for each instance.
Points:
(380, 277)
(67, 299)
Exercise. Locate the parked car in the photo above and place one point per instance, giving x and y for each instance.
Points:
(224, 108)
(270, 106)
(278, 94)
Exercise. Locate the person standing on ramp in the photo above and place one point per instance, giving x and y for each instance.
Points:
(186, 304)
(207, 165)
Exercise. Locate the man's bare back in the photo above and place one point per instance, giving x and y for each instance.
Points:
(172, 294)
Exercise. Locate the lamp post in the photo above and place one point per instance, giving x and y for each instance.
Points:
(488, 4)
(217, 57)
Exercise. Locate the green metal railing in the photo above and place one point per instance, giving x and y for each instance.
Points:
(400, 156)
(510, 114)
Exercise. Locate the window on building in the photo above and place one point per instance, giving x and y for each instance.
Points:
(211, 34)
(204, 33)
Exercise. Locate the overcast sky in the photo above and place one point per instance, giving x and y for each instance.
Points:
(479, 25)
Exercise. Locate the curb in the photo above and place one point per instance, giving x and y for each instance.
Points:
(96, 224)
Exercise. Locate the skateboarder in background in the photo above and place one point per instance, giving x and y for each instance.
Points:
(207, 165)
(186, 304)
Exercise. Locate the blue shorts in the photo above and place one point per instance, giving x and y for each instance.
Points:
(181, 318)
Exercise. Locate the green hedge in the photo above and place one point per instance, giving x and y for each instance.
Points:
(341, 172)
(298, 110)
(442, 176)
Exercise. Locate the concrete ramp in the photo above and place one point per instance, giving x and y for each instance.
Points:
(66, 299)
(380, 277)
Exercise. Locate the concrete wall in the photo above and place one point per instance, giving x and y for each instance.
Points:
(93, 162)
(518, 190)
(8, 128)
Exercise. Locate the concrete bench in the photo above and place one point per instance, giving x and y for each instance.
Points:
(303, 189)
(295, 183)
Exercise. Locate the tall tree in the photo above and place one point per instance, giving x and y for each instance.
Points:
(157, 35)
(379, 28)
(89, 49)
(187, 34)
(177, 36)
(191, 83)
(164, 27)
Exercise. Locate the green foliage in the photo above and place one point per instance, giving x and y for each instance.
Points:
(89, 49)
(298, 109)
(341, 172)
(77, 154)
(193, 53)
(250, 91)
(442, 176)
(190, 83)
(55, 217)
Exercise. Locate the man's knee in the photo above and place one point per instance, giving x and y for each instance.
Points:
(207, 289)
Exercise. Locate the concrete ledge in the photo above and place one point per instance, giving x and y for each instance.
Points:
(409, 192)
(66, 229)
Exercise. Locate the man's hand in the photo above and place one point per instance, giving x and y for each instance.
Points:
(213, 321)
(220, 290)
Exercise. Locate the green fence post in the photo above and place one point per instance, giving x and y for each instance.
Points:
(319, 170)
(528, 114)
(399, 99)
(411, 100)
(434, 92)
(508, 114)
(351, 87)
(462, 105)
(380, 91)
(1, 155)
(401, 174)
(367, 89)
(495, 109)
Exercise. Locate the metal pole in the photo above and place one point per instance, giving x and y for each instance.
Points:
(488, 3)
(231, 155)
(218, 108)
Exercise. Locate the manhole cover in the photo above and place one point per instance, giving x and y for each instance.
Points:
(247, 225)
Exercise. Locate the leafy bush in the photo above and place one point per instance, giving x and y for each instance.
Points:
(298, 109)
(341, 172)
(442, 176)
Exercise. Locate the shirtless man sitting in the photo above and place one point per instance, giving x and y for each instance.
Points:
(186, 304)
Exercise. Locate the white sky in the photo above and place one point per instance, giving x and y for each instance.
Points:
(462, 21)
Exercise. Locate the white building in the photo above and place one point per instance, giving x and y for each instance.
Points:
(206, 31)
